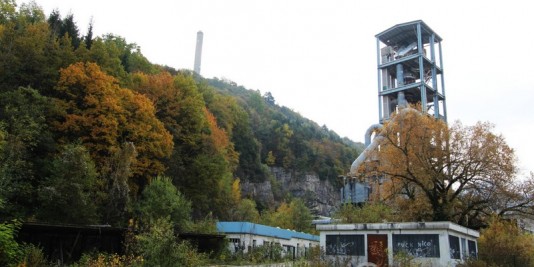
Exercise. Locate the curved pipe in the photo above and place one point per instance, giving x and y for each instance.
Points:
(375, 128)
(364, 155)
(370, 146)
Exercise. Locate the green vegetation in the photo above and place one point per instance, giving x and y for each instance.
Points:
(10, 250)
(368, 213)
(92, 116)
(91, 132)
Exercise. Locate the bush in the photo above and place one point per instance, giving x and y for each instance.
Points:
(504, 244)
(33, 257)
(108, 260)
(160, 199)
(368, 213)
(159, 247)
(10, 250)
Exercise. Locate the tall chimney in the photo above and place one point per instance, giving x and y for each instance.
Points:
(198, 52)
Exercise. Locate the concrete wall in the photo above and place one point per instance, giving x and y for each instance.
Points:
(425, 243)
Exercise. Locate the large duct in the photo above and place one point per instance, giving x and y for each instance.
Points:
(364, 155)
(377, 130)
(198, 52)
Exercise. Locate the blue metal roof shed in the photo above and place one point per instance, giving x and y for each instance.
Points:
(263, 230)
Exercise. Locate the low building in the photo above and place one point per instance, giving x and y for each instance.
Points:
(383, 244)
(245, 236)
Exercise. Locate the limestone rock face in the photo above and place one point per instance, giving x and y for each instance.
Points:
(320, 196)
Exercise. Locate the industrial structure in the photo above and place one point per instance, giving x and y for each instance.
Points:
(410, 72)
(198, 52)
(375, 244)
(245, 236)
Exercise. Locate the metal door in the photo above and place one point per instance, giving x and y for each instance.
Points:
(377, 250)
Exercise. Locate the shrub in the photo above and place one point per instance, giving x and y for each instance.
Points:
(161, 198)
(503, 243)
(159, 247)
(10, 250)
(33, 257)
(109, 260)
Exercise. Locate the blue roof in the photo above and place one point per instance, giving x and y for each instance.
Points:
(263, 230)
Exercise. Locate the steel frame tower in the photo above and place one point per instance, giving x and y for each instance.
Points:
(407, 72)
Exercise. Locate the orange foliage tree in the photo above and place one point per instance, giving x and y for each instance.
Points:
(204, 157)
(103, 116)
(460, 173)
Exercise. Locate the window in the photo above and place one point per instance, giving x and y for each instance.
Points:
(235, 240)
(464, 248)
(454, 246)
(417, 245)
(345, 245)
(472, 245)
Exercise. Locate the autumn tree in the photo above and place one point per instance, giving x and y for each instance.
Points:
(203, 158)
(463, 172)
(241, 209)
(503, 243)
(295, 216)
(103, 116)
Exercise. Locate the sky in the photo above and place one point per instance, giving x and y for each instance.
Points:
(318, 58)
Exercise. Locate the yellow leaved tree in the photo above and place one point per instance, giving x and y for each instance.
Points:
(457, 173)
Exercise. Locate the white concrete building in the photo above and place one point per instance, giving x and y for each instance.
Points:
(383, 244)
(245, 236)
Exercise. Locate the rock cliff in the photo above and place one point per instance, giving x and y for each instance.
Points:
(320, 196)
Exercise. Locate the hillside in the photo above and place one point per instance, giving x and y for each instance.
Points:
(286, 138)
(87, 123)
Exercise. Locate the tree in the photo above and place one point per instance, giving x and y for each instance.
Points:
(69, 195)
(159, 247)
(269, 99)
(247, 211)
(300, 215)
(70, 29)
(203, 159)
(88, 39)
(10, 250)
(295, 216)
(103, 116)
(159, 200)
(8, 9)
(459, 171)
(27, 145)
(118, 171)
(502, 243)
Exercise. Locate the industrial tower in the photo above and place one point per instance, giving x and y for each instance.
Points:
(410, 71)
(410, 68)
(198, 52)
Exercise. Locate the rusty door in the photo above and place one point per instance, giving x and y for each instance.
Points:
(377, 249)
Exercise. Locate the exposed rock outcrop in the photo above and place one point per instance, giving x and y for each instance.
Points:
(320, 196)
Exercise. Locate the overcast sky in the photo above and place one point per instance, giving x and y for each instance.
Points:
(319, 57)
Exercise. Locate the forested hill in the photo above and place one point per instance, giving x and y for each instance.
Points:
(284, 138)
(86, 123)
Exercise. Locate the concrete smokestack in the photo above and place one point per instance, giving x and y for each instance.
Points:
(198, 52)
